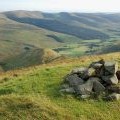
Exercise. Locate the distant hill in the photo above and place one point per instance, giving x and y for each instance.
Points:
(29, 57)
(61, 22)
(69, 34)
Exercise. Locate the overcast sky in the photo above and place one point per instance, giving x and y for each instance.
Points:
(61, 5)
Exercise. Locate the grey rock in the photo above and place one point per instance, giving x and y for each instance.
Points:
(113, 96)
(74, 80)
(84, 89)
(82, 72)
(98, 87)
(111, 67)
(87, 88)
(79, 70)
(112, 80)
(96, 65)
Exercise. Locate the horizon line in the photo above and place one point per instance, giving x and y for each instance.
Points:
(59, 11)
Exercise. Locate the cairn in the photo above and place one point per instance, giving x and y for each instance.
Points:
(101, 77)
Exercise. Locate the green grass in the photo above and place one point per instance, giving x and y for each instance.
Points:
(33, 94)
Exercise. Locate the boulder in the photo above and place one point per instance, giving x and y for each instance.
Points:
(113, 96)
(97, 86)
(84, 89)
(82, 72)
(111, 79)
(73, 80)
(111, 67)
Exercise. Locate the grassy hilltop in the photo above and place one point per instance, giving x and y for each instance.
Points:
(33, 94)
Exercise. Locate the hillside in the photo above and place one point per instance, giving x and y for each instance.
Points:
(32, 93)
(69, 34)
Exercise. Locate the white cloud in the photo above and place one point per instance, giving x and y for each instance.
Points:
(63, 5)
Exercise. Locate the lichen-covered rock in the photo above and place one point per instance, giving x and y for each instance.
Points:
(111, 79)
(113, 96)
(111, 67)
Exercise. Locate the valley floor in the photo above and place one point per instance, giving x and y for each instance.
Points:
(33, 94)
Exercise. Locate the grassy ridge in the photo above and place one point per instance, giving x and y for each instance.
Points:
(32, 93)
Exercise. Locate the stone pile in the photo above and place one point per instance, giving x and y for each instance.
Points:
(101, 77)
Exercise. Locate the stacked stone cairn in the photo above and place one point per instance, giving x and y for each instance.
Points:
(101, 78)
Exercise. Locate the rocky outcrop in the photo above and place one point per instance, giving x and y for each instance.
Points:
(98, 78)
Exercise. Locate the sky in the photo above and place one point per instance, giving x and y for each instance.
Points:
(61, 5)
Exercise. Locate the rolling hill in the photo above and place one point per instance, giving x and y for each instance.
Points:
(25, 34)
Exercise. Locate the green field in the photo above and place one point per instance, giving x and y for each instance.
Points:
(33, 94)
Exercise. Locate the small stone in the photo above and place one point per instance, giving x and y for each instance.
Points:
(113, 96)
(112, 80)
